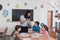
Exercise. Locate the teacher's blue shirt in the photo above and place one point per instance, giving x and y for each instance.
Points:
(36, 29)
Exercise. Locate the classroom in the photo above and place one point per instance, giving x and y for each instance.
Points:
(29, 19)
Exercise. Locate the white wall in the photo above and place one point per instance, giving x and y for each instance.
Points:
(40, 14)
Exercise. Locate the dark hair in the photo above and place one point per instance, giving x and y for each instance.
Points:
(17, 27)
(37, 22)
(46, 28)
(26, 14)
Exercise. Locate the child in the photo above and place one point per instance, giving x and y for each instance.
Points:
(36, 27)
(17, 32)
(44, 30)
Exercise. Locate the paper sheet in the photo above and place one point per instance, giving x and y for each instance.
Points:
(26, 38)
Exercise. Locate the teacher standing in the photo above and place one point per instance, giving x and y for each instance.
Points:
(24, 19)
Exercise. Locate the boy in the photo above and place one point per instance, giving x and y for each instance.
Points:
(36, 27)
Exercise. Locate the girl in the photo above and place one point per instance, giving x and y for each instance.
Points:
(17, 32)
(44, 30)
(17, 29)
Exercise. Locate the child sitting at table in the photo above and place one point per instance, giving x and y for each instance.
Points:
(17, 31)
(44, 30)
(36, 27)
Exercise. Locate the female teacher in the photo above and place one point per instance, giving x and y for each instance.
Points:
(24, 19)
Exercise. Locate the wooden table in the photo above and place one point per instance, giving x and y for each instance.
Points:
(44, 37)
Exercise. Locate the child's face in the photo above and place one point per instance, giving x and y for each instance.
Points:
(19, 29)
(35, 24)
(43, 28)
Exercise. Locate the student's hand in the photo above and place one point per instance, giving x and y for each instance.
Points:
(41, 31)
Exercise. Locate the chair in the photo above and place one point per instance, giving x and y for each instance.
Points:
(2, 35)
(10, 37)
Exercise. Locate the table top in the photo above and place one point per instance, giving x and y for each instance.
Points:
(43, 37)
(2, 29)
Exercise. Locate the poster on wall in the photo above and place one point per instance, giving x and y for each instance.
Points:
(42, 6)
(8, 20)
(8, 4)
(25, 4)
(5, 13)
(35, 7)
(17, 5)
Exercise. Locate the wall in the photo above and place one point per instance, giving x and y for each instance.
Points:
(40, 14)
